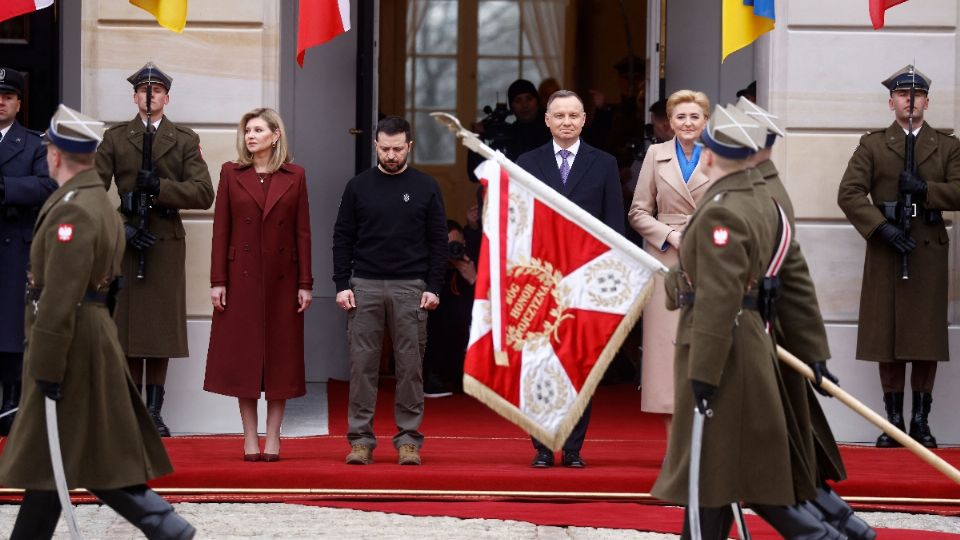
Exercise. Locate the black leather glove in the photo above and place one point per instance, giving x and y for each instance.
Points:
(137, 238)
(894, 236)
(820, 372)
(702, 393)
(50, 389)
(913, 184)
(148, 182)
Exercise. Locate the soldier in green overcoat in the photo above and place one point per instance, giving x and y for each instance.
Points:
(108, 442)
(725, 360)
(152, 315)
(904, 320)
(799, 328)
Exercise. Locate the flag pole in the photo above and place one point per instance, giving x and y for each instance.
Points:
(548, 195)
(893, 431)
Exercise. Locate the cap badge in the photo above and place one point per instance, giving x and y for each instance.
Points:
(721, 235)
(3, 74)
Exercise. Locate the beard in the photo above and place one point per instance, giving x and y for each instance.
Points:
(393, 166)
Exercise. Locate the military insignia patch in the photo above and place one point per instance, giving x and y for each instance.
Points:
(406, 197)
(64, 232)
(720, 236)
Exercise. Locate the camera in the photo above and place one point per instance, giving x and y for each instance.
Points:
(496, 129)
(458, 250)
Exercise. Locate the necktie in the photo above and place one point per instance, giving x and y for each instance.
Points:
(564, 165)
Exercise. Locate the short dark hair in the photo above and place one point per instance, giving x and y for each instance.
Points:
(453, 225)
(392, 125)
(659, 108)
(564, 94)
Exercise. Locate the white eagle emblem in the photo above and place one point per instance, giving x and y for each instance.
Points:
(406, 197)
(720, 236)
(65, 232)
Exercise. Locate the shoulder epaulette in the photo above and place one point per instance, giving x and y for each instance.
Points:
(35, 132)
(946, 132)
(68, 197)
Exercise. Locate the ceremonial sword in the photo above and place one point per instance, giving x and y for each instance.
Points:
(56, 460)
(693, 478)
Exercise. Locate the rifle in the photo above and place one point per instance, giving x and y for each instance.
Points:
(137, 202)
(908, 210)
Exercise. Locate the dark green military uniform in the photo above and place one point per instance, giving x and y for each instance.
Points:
(151, 315)
(108, 439)
(902, 320)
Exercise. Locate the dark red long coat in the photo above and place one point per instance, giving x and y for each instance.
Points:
(261, 254)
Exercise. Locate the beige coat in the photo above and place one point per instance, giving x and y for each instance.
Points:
(662, 203)
(107, 438)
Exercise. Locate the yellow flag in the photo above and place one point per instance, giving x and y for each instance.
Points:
(171, 14)
(741, 26)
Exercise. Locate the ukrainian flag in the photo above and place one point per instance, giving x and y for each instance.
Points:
(743, 22)
(171, 14)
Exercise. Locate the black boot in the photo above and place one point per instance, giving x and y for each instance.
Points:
(148, 512)
(919, 428)
(893, 403)
(38, 515)
(714, 523)
(11, 400)
(154, 404)
(798, 522)
(841, 516)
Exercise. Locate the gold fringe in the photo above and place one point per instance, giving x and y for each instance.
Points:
(555, 440)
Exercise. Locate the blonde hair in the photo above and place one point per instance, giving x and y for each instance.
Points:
(688, 96)
(280, 153)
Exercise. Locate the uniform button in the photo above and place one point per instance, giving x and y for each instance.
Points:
(6, 240)
(246, 274)
(246, 220)
(246, 247)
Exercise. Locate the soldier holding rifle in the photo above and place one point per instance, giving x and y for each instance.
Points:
(896, 186)
(151, 315)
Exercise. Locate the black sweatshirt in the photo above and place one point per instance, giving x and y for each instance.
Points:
(390, 227)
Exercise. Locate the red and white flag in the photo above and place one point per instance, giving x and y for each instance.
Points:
(319, 22)
(14, 8)
(556, 293)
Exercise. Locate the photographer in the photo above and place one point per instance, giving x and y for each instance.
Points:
(525, 133)
(448, 327)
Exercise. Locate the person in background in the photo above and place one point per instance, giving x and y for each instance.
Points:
(669, 188)
(151, 313)
(448, 326)
(24, 185)
(260, 279)
(749, 93)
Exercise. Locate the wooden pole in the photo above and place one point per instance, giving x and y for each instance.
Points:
(923, 453)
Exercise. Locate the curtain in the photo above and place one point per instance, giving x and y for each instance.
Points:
(544, 22)
(416, 14)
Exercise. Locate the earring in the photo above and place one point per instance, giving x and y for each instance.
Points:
(274, 145)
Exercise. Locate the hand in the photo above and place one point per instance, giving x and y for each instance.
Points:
(473, 217)
(466, 268)
(139, 239)
(702, 393)
(50, 389)
(218, 296)
(894, 236)
(674, 239)
(304, 299)
(345, 300)
(819, 372)
(913, 184)
(148, 182)
(429, 301)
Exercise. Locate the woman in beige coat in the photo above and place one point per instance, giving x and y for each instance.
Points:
(670, 185)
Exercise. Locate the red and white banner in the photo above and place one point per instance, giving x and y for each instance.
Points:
(14, 8)
(319, 22)
(556, 293)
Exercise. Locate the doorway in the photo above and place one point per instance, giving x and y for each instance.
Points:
(30, 44)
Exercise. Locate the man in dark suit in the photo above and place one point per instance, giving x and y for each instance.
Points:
(24, 186)
(588, 177)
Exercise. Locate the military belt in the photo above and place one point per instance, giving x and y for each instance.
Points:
(90, 297)
(750, 301)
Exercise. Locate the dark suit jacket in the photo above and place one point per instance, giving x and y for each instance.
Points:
(593, 184)
(23, 166)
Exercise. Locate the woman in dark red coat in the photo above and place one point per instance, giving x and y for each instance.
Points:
(261, 257)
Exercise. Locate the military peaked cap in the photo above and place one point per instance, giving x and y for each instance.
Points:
(764, 118)
(74, 132)
(906, 77)
(150, 73)
(730, 133)
(11, 80)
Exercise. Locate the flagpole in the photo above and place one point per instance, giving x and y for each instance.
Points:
(549, 196)
(896, 433)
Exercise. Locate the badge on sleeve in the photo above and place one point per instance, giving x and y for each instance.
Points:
(721, 235)
(64, 232)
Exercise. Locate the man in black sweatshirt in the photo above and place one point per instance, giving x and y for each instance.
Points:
(389, 255)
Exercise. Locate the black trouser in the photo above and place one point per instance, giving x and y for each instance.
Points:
(574, 441)
(893, 375)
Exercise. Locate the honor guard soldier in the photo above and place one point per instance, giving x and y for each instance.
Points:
(725, 360)
(798, 327)
(897, 185)
(109, 443)
(24, 185)
(154, 187)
